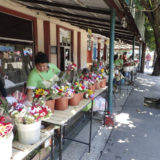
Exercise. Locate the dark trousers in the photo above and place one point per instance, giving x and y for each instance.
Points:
(2, 89)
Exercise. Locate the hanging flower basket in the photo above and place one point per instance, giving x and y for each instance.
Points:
(103, 83)
(74, 101)
(51, 104)
(61, 103)
(6, 147)
(29, 133)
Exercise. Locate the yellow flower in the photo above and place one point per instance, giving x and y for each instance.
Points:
(90, 92)
(40, 92)
(102, 70)
(66, 87)
(80, 84)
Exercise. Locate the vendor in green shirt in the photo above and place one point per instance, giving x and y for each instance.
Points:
(118, 62)
(42, 76)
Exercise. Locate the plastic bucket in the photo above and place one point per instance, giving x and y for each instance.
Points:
(29, 133)
(6, 147)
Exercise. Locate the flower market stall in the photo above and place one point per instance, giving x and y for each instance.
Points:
(56, 105)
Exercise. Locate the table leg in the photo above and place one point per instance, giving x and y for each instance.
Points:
(52, 147)
(90, 134)
(105, 111)
(60, 142)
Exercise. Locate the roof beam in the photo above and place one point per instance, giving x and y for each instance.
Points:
(83, 21)
(117, 35)
(102, 29)
(112, 4)
(67, 6)
(70, 14)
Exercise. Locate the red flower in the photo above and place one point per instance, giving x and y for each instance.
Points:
(2, 119)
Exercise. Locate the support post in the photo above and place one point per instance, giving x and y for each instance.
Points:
(140, 53)
(111, 59)
(132, 72)
(133, 47)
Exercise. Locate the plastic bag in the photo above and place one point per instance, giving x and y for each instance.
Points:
(99, 104)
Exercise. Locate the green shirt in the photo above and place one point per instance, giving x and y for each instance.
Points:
(36, 79)
(118, 62)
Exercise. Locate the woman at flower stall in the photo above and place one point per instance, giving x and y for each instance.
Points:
(42, 76)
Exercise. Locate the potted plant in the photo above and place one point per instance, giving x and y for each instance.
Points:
(65, 92)
(47, 95)
(28, 120)
(79, 90)
(6, 138)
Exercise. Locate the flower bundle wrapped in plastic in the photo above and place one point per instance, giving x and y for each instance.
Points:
(5, 127)
(71, 66)
(26, 115)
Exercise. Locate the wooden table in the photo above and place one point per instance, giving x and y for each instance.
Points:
(20, 151)
(61, 118)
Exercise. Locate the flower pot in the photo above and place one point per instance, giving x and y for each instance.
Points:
(61, 103)
(97, 85)
(29, 133)
(6, 147)
(75, 100)
(92, 87)
(103, 83)
(81, 95)
(51, 104)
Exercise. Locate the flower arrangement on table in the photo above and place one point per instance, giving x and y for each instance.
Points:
(89, 94)
(71, 66)
(5, 127)
(45, 94)
(64, 90)
(26, 115)
(79, 87)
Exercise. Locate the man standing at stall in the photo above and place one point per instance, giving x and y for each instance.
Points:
(2, 82)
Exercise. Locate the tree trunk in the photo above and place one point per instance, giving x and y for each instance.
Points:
(154, 58)
(156, 70)
(143, 58)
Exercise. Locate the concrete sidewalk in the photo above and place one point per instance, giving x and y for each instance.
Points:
(136, 132)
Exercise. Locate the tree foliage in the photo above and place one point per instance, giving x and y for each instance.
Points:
(151, 8)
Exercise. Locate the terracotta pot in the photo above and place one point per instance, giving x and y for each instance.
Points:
(92, 87)
(97, 85)
(81, 95)
(51, 104)
(61, 103)
(75, 100)
(103, 83)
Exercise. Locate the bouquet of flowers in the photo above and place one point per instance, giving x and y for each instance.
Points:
(5, 127)
(71, 66)
(26, 115)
